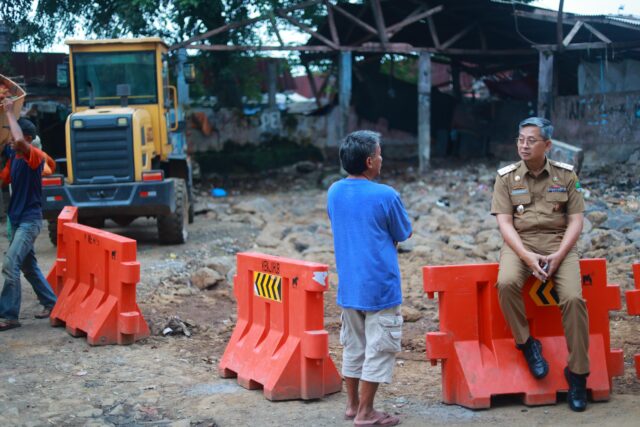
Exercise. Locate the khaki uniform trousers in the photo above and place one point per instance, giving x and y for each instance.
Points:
(575, 321)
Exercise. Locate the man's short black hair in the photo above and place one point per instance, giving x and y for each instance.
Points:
(27, 126)
(356, 148)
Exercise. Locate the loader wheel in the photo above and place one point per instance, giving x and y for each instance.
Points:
(97, 222)
(123, 221)
(53, 231)
(192, 213)
(172, 228)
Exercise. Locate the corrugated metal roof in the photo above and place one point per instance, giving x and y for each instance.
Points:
(612, 19)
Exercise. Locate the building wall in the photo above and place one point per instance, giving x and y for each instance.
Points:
(606, 126)
(319, 130)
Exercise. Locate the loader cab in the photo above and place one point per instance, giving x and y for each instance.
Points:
(98, 67)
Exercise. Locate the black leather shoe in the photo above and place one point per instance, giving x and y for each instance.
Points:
(577, 396)
(532, 351)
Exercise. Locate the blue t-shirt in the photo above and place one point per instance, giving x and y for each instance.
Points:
(26, 186)
(367, 220)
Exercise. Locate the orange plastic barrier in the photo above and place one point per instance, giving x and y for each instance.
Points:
(56, 274)
(279, 342)
(633, 306)
(99, 272)
(476, 347)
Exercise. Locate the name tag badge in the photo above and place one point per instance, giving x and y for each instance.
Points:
(557, 189)
(519, 191)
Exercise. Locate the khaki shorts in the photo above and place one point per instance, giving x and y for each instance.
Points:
(371, 340)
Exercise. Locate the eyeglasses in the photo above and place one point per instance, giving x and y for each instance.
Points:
(529, 141)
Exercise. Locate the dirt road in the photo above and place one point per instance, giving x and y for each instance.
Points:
(49, 378)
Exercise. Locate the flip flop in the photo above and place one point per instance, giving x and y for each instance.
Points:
(385, 420)
(44, 314)
(349, 417)
(5, 325)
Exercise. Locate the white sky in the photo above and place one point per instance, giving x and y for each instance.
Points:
(584, 7)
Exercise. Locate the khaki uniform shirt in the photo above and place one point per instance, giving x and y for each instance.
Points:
(540, 205)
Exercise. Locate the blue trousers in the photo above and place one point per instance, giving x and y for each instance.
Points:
(21, 256)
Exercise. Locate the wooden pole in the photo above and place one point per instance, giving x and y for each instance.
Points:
(312, 84)
(379, 18)
(271, 75)
(545, 84)
(424, 111)
(559, 32)
(345, 93)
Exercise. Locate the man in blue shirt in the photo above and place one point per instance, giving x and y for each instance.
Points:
(25, 214)
(368, 220)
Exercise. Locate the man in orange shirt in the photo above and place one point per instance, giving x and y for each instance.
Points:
(25, 214)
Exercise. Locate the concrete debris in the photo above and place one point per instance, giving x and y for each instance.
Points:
(176, 326)
(205, 278)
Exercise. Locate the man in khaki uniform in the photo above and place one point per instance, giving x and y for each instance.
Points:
(538, 204)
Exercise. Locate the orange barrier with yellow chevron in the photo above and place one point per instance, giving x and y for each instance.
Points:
(477, 350)
(279, 342)
(633, 305)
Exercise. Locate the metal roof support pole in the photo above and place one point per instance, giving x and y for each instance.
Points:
(424, 111)
(545, 84)
(345, 93)
(272, 84)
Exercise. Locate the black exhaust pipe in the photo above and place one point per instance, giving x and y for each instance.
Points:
(123, 91)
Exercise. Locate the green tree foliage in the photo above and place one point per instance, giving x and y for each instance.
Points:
(224, 74)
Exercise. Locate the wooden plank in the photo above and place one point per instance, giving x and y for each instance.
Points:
(308, 29)
(398, 48)
(379, 18)
(274, 24)
(332, 23)
(354, 19)
(434, 33)
(597, 33)
(483, 39)
(591, 45)
(395, 28)
(242, 23)
(233, 48)
(424, 111)
(458, 36)
(572, 33)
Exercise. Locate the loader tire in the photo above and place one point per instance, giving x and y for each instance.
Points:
(53, 231)
(172, 228)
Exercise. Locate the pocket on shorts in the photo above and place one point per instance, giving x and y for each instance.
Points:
(343, 334)
(390, 333)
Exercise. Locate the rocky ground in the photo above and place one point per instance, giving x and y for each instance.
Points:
(49, 378)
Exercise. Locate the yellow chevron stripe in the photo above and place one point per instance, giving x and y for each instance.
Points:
(547, 293)
(279, 289)
(534, 295)
(261, 284)
(268, 286)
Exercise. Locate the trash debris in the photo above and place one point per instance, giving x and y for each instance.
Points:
(176, 326)
(443, 202)
(218, 192)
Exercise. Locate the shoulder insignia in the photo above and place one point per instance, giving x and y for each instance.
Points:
(505, 170)
(562, 165)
